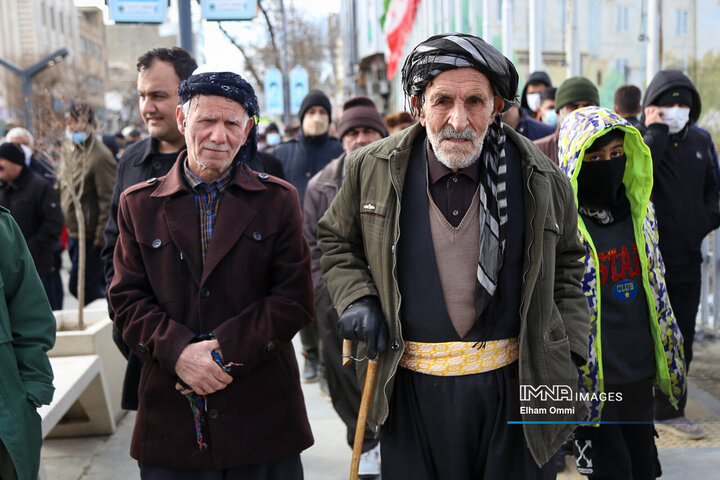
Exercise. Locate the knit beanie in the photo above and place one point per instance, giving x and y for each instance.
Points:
(673, 95)
(12, 152)
(576, 89)
(312, 99)
(361, 112)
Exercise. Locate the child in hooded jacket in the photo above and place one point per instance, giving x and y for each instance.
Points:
(635, 343)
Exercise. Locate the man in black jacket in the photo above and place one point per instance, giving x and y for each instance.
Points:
(685, 194)
(159, 73)
(34, 205)
(301, 159)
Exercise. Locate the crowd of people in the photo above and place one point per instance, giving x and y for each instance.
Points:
(476, 244)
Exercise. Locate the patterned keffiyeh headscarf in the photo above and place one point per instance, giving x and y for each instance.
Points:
(457, 50)
(229, 85)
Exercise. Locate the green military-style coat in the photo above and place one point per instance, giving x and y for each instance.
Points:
(27, 332)
(358, 237)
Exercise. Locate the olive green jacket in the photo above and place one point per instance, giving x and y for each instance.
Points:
(92, 166)
(358, 236)
(27, 332)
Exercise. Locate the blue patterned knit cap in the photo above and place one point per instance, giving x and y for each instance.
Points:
(229, 85)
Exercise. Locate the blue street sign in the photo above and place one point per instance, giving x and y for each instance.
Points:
(229, 9)
(138, 11)
(298, 88)
(273, 91)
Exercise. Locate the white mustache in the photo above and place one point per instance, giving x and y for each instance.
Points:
(449, 132)
(221, 147)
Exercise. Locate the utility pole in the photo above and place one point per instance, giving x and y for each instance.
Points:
(654, 47)
(285, 73)
(486, 21)
(535, 50)
(507, 24)
(185, 25)
(572, 39)
(26, 76)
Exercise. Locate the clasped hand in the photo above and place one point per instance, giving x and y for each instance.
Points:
(199, 371)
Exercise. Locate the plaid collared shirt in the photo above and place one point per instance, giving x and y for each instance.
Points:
(207, 202)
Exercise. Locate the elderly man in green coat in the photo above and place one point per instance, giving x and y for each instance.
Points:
(27, 332)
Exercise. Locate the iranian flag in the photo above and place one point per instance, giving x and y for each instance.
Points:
(397, 22)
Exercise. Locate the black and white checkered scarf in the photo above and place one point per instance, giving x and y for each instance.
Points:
(493, 214)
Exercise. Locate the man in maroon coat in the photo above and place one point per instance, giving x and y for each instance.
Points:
(212, 281)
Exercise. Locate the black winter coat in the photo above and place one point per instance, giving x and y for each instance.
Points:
(35, 206)
(685, 188)
(303, 158)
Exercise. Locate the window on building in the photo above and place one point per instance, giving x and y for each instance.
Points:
(622, 65)
(681, 23)
(500, 10)
(43, 14)
(622, 18)
(61, 22)
(52, 18)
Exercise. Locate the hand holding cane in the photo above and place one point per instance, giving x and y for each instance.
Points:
(364, 407)
(363, 320)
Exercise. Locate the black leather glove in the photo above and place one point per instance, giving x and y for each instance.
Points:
(363, 320)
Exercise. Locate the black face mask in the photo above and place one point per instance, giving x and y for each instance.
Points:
(600, 183)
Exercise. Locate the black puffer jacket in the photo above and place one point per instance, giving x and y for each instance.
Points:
(303, 158)
(35, 206)
(685, 189)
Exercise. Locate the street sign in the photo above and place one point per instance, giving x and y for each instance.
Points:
(298, 88)
(138, 11)
(229, 9)
(273, 92)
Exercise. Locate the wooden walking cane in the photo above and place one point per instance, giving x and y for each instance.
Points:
(364, 406)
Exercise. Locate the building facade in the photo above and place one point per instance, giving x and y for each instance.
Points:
(610, 38)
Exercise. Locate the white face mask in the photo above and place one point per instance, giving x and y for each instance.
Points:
(675, 118)
(28, 153)
(272, 139)
(533, 101)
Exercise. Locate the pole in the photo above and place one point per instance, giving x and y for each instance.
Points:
(535, 50)
(507, 22)
(654, 42)
(185, 24)
(26, 79)
(286, 81)
(27, 96)
(486, 21)
(572, 54)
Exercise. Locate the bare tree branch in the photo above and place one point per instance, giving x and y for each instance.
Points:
(271, 30)
(248, 63)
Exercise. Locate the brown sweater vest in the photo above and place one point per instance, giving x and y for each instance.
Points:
(457, 251)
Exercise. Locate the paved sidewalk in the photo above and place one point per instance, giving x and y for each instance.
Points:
(106, 458)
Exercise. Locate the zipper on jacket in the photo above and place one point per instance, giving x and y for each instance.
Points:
(397, 291)
(532, 230)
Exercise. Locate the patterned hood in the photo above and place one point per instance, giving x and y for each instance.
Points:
(580, 129)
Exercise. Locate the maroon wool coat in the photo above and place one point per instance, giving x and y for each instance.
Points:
(254, 292)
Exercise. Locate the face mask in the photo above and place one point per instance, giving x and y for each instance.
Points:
(550, 117)
(272, 139)
(675, 118)
(77, 138)
(599, 183)
(533, 101)
(313, 125)
(28, 153)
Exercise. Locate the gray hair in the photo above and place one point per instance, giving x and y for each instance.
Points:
(19, 132)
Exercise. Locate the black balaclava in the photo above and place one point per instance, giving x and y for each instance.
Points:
(600, 183)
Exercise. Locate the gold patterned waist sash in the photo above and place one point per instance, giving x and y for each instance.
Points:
(448, 359)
